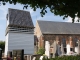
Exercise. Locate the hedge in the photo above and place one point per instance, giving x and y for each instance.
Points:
(77, 57)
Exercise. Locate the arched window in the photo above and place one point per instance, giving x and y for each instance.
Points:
(64, 42)
(75, 42)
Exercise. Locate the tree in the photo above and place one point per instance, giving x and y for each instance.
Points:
(63, 8)
(2, 45)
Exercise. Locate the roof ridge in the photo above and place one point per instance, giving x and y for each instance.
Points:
(18, 9)
(56, 21)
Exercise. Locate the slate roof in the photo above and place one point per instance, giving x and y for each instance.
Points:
(19, 18)
(51, 27)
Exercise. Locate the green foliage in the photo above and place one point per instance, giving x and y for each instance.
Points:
(45, 58)
(63, 8)
(41, 51)
(37, 59)
(2, 45)
(64, 58)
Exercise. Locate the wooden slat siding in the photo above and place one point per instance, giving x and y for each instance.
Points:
(21, 41)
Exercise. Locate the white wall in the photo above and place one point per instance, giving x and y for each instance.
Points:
(6, 44)
(21, 41)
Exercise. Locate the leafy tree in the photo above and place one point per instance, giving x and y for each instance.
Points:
(2, 45)
(63, 8)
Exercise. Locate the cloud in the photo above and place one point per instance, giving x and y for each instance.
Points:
(31, 11)
(70, 20)
(51, 17)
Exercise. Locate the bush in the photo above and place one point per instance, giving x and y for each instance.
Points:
(41, 51)
(37, 58)
(66, 58)
(2, 45)
(63, 58)
(45, 58)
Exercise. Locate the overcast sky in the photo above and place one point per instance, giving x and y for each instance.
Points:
(34, 14)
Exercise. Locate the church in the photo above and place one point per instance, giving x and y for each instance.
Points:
(57, 37)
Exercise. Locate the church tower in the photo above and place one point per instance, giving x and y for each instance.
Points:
(19, 31)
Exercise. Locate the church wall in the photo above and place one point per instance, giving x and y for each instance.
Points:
(69, 40)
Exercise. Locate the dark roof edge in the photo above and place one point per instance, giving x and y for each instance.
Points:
(18, 10)
(58, 34)
(55, 21)
(20, 26)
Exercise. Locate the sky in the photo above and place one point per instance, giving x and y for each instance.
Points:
(34, 14)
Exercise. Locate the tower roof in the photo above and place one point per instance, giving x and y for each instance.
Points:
(19, 18)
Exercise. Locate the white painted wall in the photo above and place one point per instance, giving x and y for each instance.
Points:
(68, 48)
(47, 48)
(6, 44)
(21, 40)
